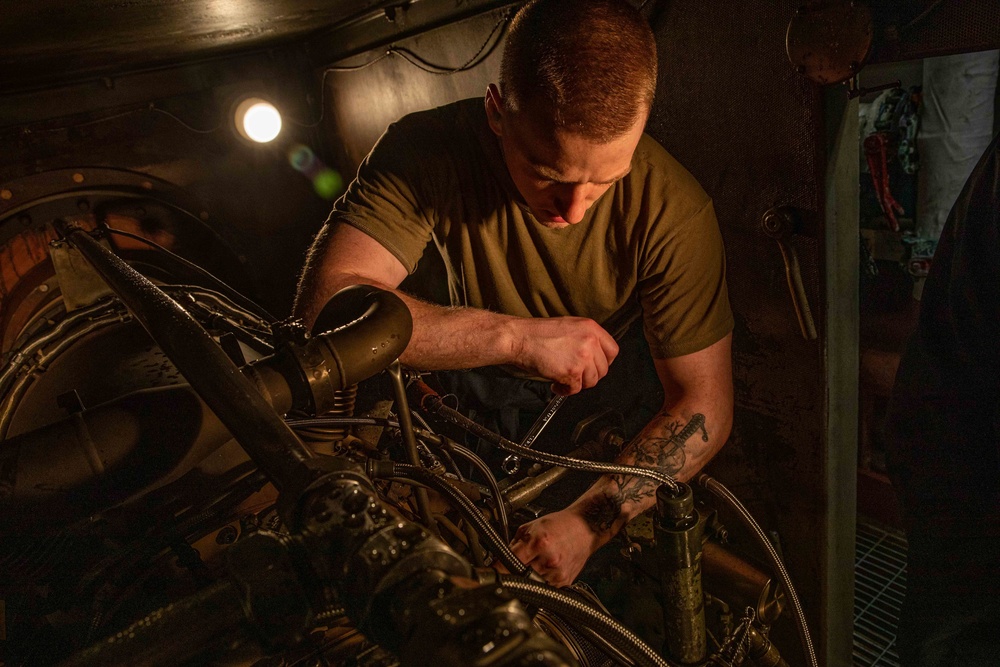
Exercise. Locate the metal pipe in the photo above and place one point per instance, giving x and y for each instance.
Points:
(525, 490)
(468, 510)
(745, 584)
(409, 440)
(231, 396)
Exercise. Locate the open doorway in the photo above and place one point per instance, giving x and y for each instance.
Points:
(918, 143)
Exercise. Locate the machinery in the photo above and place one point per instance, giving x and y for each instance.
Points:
(183, 480)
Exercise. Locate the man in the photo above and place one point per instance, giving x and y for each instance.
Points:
(944, 439)
(553, 213)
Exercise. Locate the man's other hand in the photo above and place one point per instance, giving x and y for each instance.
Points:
(556, 546)
(573, 352)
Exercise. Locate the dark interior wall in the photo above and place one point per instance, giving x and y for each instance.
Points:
(733, 111)
(174, 124)
(362, 102)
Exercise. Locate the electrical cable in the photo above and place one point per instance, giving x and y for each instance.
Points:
(484, 52)
(355, 68)
(148, 107)
(153, 107)
(921, 16)
(481, 55)
(719, 490)
(221, 286)
(579, 612)
(499, 504)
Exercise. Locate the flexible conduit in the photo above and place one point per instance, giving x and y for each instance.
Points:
(431, 402)
(720, 491)
(468, 510)
(580, 612)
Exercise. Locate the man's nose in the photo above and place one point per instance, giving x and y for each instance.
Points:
(573, 203)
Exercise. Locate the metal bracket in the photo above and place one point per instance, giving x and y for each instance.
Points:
(79, 284)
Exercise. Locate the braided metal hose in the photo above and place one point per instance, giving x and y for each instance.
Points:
(719, 490)
(577, 611)
(431, 402)
(468, 510)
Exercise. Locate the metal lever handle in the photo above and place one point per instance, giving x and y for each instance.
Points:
(779, 223)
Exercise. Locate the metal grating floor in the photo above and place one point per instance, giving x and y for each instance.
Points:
(879, 586)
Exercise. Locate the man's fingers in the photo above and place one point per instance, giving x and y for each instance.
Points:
(523, 549)
(561, 389)
(609, 346)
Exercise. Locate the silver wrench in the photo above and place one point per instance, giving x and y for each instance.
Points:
(512, 463)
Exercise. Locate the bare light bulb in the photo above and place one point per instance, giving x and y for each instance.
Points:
(258, 120)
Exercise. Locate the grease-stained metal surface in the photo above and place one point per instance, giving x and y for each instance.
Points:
(55, 40)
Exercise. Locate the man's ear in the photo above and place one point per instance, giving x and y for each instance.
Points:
(494, 109)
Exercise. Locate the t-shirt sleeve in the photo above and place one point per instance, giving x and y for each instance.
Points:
(384, 201)
(682, 285)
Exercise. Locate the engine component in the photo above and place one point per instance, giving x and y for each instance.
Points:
(132, 512)
(678, 530)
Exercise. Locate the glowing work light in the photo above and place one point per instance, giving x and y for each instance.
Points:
(257, 120)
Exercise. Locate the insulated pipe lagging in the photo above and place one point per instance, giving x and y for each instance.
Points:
(577, 611)
(719, 490)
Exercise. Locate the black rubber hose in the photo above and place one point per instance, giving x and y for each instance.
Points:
(172, 635)
(468, 510)
(491, 481)
(719, 490)
(579, 612)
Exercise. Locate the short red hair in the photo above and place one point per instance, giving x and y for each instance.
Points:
(590, 64)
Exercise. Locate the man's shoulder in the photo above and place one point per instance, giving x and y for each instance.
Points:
(422, 141)
(461, 117)
(663, 183)
(655, 163)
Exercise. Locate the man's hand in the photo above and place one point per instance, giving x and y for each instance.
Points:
(573, 352)
(557, 545)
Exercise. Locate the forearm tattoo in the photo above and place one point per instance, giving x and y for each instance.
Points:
(665, 454)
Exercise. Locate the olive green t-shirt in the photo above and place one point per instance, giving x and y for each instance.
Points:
(436, 181)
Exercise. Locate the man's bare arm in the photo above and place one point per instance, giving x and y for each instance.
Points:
(573, 352)
(692, 426)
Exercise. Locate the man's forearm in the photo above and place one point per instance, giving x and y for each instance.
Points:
(677, 442)
(573, 352)
(443, 337)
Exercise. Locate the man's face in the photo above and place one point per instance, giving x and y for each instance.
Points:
(559, 173)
